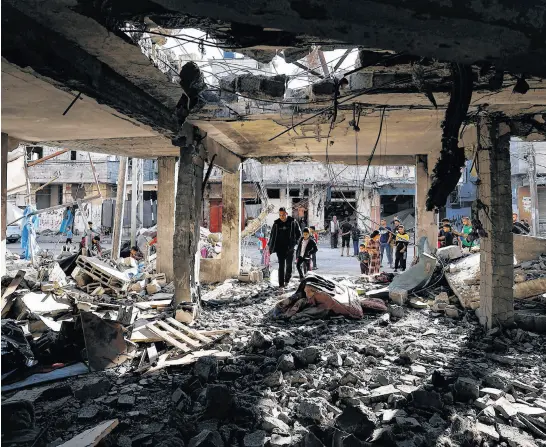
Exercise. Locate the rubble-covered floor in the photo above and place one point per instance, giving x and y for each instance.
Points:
(420, 380)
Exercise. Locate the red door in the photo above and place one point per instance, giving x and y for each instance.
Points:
(215, 224)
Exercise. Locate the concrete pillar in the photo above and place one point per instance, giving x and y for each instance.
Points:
(3, 202)
(187, 229)
(364, 208)
(166, 205)
(231, 224)
(117, 231)
(426, 222)
(495, 214)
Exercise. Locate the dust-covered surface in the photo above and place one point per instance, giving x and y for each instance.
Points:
(412, 378)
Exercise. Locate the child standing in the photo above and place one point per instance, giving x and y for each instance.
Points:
(364, 259)
(306, 248)
(402, 242)
(314, 255)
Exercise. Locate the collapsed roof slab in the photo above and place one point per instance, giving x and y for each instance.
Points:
(509, 35)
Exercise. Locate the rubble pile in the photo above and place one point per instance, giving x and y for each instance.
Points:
(405, 378)
(463, 277)
(210, 244)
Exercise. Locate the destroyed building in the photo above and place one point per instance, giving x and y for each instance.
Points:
(138, 352)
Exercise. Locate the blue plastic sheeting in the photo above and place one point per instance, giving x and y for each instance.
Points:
(62, 373)
(28, 233)
(66, 224)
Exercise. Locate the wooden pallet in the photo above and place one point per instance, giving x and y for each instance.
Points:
(103, 273)
(179, 335)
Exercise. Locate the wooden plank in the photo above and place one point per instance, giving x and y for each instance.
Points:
(144, 335)
(11, 288)
(142, 359)
(187, 359)
(152, 354)
(57, 374)
(91, 437)
(166, 337)
(218, 332)
(189, 331)
(180, 335)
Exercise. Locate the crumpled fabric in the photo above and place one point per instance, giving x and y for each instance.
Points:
(15, 349)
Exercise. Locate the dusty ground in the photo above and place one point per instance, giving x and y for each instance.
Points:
(414, 381)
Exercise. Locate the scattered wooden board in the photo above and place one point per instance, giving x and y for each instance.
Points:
(11, 288)
(193, 343)
(152, 354)
(186, 329)
(93, 436)
(168, 337)
(186, 360)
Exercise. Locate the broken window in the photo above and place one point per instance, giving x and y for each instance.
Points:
(34, 153)
(73, 155)
(274, 193)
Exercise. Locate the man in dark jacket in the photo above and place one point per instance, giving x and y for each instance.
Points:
(285, 234)
(307, 247)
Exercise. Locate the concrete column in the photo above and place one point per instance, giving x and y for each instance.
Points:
(231, 224)
(3, 204)
(187, 229)
(426, 222)
(495, 214)
(117, 231)
(364, 208)
(166, 193)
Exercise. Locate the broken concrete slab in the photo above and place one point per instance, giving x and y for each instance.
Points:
(449, 253)
(417, 276)
(44, 303)
(515, 437)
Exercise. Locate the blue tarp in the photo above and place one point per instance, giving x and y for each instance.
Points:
(66, 224)
(28, 233)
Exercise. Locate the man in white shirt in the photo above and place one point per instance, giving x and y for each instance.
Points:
(334, 231)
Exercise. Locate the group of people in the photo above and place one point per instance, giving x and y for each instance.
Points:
(285, 235)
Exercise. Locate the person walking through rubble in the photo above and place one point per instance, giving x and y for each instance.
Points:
(334, 231)
(373, 250)
(385, 242)
(346, 229)
(285, 234)
(307, 247)
(402, 242)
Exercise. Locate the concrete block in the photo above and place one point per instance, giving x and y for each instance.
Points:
(399, 296)
(446, 254)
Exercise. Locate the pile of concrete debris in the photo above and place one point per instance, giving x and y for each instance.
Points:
(210, 244)
(405, 378)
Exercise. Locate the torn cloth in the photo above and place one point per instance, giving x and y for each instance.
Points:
(319, 297)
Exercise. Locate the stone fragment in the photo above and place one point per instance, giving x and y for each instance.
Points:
(406, 390)
(206, 368)
(255, 439)
(349, 378)
(493, 392)
(335, 360)
(410, 354)
(311, 409)
(505, 407)
(280, 440)
(274, 379)
(89, 412)
(219, 402)
(418, 303)
(418, 370)
(90, 388)
(427, 399)
(286, 363)
(398, 296)
(451, 311)
(528, 410)
(389, 415)
(270, 424)
(381, 394)
(524, 386)
(346, 392)
(375, 351)
(396, 312)
(405, 422)
(495, 381)
(259, 340)
(349, 361)
(465, 389)
(515, 437)
(207, 438)
(308, 356)
(488, 431)
(126, 401)
(360, 421)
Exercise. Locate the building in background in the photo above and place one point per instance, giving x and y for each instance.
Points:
(521, 191)
(315, 192)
